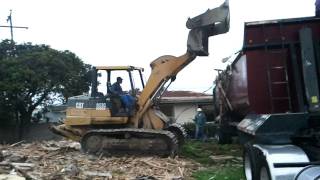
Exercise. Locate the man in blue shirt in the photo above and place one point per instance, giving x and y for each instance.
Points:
(200, 121)
(116, 87)
(126, 99)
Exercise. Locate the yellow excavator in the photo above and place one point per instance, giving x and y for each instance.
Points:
(100, 123)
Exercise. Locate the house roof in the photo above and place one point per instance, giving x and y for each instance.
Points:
(173, 97)
(183, 94)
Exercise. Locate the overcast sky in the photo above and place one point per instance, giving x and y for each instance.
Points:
(126, 32)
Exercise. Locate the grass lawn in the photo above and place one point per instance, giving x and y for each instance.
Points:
(218, 161)
(226, 172)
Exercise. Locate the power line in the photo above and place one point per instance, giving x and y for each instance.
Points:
(9, 20)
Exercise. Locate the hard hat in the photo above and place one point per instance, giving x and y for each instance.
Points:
(199, 109)
(119, 78)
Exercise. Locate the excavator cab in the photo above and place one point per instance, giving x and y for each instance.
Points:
(101, 107)
(119, 104)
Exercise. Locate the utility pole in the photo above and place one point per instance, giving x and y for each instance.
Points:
(9, 19)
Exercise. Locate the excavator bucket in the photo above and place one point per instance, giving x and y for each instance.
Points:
(210, 23)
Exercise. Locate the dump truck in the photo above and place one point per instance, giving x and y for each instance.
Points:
(101, 124)
(269, 97)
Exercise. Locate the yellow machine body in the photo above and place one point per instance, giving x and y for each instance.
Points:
(99, 122)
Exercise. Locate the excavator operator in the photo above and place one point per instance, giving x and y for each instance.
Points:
(126, 99)
(116, 88)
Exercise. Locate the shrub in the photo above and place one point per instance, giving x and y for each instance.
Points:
(209, 129)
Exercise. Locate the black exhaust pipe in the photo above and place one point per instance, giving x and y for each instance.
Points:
(94, 84)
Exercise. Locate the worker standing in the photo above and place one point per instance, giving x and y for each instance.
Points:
(200, 121)
(317, 7)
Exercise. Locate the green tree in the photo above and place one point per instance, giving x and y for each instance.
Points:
(34, 75)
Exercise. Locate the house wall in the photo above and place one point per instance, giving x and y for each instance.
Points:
(32, 132)
(39, 132)
(184, 113)
(55, 116)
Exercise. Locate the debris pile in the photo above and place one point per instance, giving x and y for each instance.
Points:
(64, 160)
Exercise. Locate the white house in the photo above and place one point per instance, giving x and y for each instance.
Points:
(181, 106)
(52, 114)
(56, 113)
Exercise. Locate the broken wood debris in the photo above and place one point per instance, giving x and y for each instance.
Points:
(22, 168)
(11, 177)
(154, 165)
(64, 160)
(99, 174)
(17, 143)
(219, 158)
(28, 165)
(1, 156)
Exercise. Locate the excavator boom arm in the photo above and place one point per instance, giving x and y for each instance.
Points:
(212, 22)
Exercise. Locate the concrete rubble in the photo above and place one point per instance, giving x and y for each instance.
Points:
(64, 160)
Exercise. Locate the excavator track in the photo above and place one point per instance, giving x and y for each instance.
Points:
(130, 141)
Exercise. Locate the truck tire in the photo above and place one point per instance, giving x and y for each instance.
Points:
(222, 137)
(263, 168)
(250, 162)
(255, 164)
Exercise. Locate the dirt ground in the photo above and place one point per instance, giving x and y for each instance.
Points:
(64, 160)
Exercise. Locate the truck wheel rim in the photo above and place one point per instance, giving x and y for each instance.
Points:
(247, 167)
(264, 174)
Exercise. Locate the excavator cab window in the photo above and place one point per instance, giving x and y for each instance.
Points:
(125, 84)
(132, 83)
